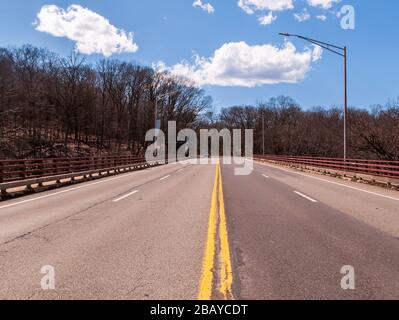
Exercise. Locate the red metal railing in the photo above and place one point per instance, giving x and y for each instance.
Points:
(14, 170)
(378, 168)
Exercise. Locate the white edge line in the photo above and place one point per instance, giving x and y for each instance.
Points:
(305, 196)
(126, 195)
(267, 177)
(332, 182)
(165, 177)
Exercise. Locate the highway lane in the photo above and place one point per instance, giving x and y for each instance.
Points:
(107, 241)
(290, 235)
(37, 210)
(373, 205)
(143, 235)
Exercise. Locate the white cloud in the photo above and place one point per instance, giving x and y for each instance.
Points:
(325, 4)
(302, 16)
(322, 17)
(204, 6)
(267, 19)
(92, 32)
(239, 64)
(251, 6)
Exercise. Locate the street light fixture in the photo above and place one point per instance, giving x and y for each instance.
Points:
(341, 51)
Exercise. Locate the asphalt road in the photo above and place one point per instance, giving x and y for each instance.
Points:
(291, 233)
(148, 245)
(142, 235)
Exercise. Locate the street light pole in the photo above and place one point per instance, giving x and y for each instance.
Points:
(343, 52)
(156, 113)
(263, 130)
(346, 103)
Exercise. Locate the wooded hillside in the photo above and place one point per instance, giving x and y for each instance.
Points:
(55, 106)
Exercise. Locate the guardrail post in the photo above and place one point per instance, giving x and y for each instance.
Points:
(91, 167)
(69, 166)
(56, 166)
(22, 171)
(1, 172)
(3, 194)
(98, 166)
(40, 166)
(53, 166)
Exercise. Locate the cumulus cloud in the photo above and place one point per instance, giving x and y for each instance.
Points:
(251, 6)
(204, 6)
(302, 16)
(260, 6)
(267, 19)
(92, 32)
(240, 64)
(325, 4)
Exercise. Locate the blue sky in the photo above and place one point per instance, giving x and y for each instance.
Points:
(173, 31)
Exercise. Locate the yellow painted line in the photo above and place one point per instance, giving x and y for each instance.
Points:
(208, 267)
(226, 276)
(225, 268)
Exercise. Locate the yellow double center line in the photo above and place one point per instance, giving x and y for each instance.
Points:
(217, 273)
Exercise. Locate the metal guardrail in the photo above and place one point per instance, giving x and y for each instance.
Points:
(13, 170)
(374, 168)
(19, 173)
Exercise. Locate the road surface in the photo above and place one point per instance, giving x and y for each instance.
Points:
(142, 235)
(291, 233)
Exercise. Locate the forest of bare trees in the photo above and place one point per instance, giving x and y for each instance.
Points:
(289, 130)
(54, 106)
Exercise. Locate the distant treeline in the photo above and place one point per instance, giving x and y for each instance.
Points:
(318, 132)
(55, 106)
